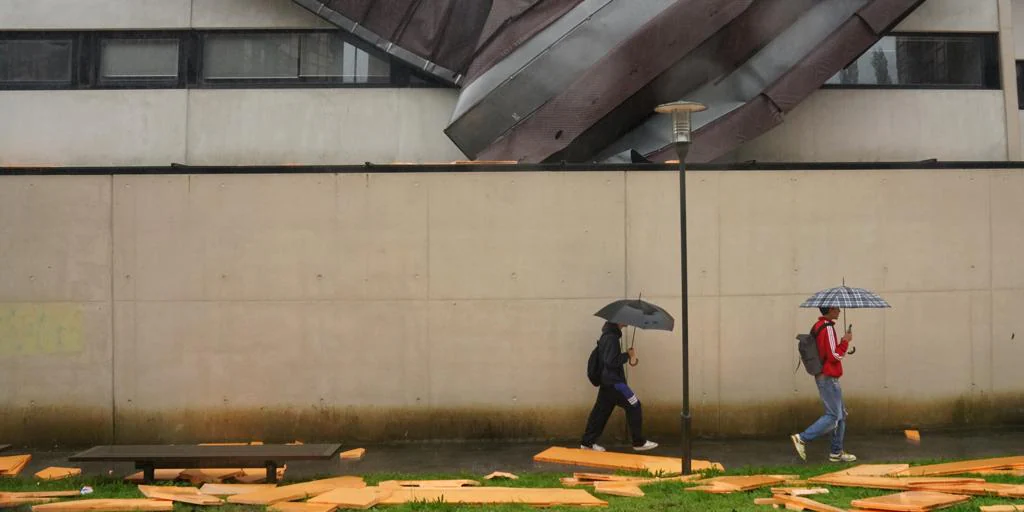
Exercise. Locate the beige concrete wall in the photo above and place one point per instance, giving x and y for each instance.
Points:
(864, 123)
(225, 127)
(953, 16)
(368, 306)
(153, 14)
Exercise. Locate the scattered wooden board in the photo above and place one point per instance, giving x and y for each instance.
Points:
(109, 505)
(730, 484)
(912, 436)
(768, 501)
(289, 506)
(40, 494)
(911, 501)
(257, 475)
(799, 491)
(429, 484)
(800, 503)
(296, 491)
(214, 475)
(193, 499)
(971, 488)
(159, 475)
(494, 495)
(618, 489)
(148, 490)
(353, 498)
(13, 464)
(18, 502)
(1002, 508)
(233, 489)
(355, 454)
(501, 474)
(626, 461)
(603, 477)
(874, 470)
(887, 483)
(958, 468)
(56, 473)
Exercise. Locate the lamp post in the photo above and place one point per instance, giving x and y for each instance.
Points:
(681, 138)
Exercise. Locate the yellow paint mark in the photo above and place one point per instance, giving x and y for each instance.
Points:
(28, 329)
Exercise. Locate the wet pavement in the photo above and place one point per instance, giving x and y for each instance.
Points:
(480, 458)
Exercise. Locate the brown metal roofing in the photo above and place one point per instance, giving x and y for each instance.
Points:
(756, 117)
(690, 44)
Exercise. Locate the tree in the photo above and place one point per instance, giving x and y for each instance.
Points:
(851, 74)
(881, 64)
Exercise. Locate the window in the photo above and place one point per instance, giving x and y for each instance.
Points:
(36, 62)
(940, 61)
(139, 59)
(202, 59)
(324, 57)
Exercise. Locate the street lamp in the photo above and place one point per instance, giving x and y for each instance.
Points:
(681, 138)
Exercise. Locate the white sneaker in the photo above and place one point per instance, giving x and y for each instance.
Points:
(842, 457)
(649, 445)
(595, 447)
(798, 444)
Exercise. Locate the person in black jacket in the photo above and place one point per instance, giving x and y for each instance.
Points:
(614, 391)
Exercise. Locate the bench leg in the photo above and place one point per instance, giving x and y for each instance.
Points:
(148, 472)
(271, 472)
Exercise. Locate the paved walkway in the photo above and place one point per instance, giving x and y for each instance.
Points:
(482, 458)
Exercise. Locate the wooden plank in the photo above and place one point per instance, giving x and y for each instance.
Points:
(874, 470)
(970, 488)
(495, 495)
(887, 483)
(799, 491)
(355, 454)
(110, 505)
(40, 494)
(290, 506)
(159, 475)
(18, 502)
(13, 464)
(1002, 508)
(910, 501)
(501, 474)
(618, 489)
(257, 475)
(767, 501)
(615, 460)
(233, 489)
(353, 498)
(800, 503)
(296, 491)
(603, 477)
(193, 499)
(429, 484)
(58, 473)
(959, 468)
(214, 475)
(723, 484)
(148, 490)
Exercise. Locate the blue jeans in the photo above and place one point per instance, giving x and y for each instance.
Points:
(834, 419)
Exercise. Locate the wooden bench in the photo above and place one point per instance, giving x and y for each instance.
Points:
(150, 457)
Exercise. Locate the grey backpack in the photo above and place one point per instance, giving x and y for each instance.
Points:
(807, 345)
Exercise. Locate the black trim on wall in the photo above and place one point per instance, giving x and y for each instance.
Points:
(86, 54)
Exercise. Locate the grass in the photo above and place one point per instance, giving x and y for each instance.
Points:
(664, 496)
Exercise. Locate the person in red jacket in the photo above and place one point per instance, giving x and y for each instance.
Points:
(831, 350)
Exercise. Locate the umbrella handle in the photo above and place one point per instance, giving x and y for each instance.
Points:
(631, 363)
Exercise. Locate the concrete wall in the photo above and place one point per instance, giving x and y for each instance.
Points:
(210, 127)
(863, 125)
(410, 306)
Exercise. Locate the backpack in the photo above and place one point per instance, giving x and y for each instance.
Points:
(807, 346)
(594, 368)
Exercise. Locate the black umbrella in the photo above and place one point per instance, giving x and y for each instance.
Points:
(637, 313)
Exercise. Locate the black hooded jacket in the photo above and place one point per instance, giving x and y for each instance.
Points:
(612, 357)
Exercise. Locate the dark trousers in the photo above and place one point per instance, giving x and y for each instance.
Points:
(607, 398)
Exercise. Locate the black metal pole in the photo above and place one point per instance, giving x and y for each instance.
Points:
(682, 149)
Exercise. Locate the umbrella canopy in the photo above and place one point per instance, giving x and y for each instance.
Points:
(845, 297)
(637, 313)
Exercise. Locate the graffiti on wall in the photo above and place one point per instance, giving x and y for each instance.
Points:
(28, 329)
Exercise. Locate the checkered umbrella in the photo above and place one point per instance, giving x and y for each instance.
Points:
(845, 297)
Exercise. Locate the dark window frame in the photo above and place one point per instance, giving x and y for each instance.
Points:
(86, 63)
(95, 60)
(299, 82)
(991, 73)
(77, 68)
